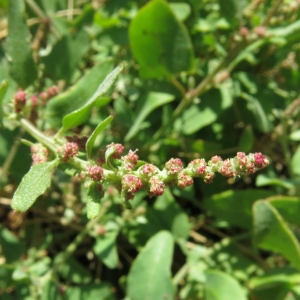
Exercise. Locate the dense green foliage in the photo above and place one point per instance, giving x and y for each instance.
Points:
(174, 79)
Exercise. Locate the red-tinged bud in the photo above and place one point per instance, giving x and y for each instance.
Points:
(156, 186)
(260, 160)
(244, 32)
(40, 154)
(43, 96)
(34, 100)
(227, 169)
(101, 161)
(80, 141)
(215, 159)
(242, 158)
(184, 180)
(149, 170)
(250, 168)
(174, 166)
(19, 101)
(118, 149)
(197, 167)
(131, 183)
(52, 91)
(95, 173)
(209, 177)
(68, 150)
(130, 160)
(260, 31)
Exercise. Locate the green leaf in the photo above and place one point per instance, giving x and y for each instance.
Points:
(272, 233)
(159, 42)
(11, 247)
(221, 286)
(106, 248)
(247, 140)
(96, 132)
(33, 184)
(76, 96)
(295, 162)
(148, 103)
(181, 10)
(22, 67)
(288, 207)
(93, 201)
(80, 115)
(260, 116)
(65, 55)
(295, 135)
(235, 207)
(150, 274)
(206, 112)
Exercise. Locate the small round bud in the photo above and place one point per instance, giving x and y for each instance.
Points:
(156, 186)
(19, 101)
(118, 149)
(95, 173)
(149, 169)
(174, 166)
(68, 150)
(131, 183)
(184, 180)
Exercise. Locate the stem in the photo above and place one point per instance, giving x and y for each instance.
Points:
(38, 135)
(181, 274)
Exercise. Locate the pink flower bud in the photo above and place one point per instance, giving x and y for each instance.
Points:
(156, 186)
(260, 160)
(52, 91)
(242, 158)
(227, 169)
(197, 167)
(149, 170)
(118, 149)
(131, 183)
(69, 150)
(19, 101)
(95, 173)
(174, 166)
(40, 154)
(184, 180)
(208, 178)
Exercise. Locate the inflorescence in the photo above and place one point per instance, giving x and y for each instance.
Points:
(131, 174)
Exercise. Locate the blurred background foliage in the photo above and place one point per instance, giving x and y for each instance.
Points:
(201, 78)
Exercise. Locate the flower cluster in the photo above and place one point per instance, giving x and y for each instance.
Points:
(39, 154)
(80, 141)
(129, 178)
(68, 150)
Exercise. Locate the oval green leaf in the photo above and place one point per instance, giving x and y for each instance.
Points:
(221, 286)
(22, 67)
(90, 142)
(33, 184)
(76, 96)
(272, 233)
(80, 115)
(150, 275)
(159, 42)
(93, 205)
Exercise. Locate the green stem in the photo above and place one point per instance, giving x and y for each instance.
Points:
(38, 135)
